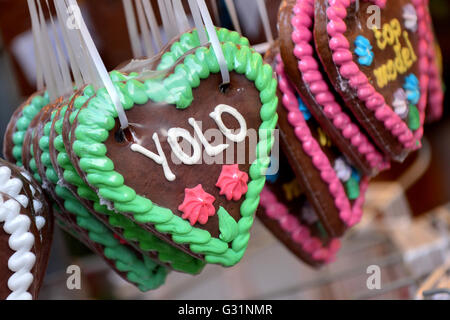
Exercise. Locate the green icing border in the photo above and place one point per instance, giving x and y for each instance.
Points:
(95, 122)
(179, 260)
(146, 274)
(22, 124)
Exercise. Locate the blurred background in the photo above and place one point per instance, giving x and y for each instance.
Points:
(406, 226)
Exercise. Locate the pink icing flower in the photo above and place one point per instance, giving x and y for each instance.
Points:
(232, 182)
(197, 205)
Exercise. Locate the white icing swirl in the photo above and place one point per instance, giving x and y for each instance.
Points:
(21, 240)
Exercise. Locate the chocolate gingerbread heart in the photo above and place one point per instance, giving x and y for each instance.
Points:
(286, 212)
(142, 241)
(333, 186)
(302, 66)
(375, 53)
(221, 189)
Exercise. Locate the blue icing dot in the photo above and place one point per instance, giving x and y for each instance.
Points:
(356, 175)
(302, 107)
(412, 89)
(364, 51)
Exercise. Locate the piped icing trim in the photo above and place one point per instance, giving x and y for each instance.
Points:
(102, 119)
(232, 182)
(343, 58)
(21, 240)
(299, 233)
(22, 124)
(309, 68)
(348, 214)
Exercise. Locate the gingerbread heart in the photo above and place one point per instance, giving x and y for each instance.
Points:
(286, 212)
(207, 214)
(375, 54)
(302, 66)
(66, 176)
(77, 221)
(333, 186)
(26, 228)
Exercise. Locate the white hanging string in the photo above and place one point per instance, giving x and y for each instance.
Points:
(172, 19)
(180, 14)
(198, 22)
(41, 54)
(265, 20)
(167, 23)
(100, 68)
(72, 60)
(63, 66)
(75, 44)
(50, 54)
(214, 41)
(154, 27)
(149, 51)
(39, 73)
(233, 15)
(132, 28)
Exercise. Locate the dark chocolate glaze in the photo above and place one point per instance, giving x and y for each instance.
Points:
(295, 75)
(356, 25)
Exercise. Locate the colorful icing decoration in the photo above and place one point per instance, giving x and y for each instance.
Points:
(400, 103)
(292, 190)
(299, 233)
(343, 170)
(364, 51)
(412, 88)
(232, 182)
(324, 139)
(410, 17)
(197, 205)
(413, 95)
(303, 109)
(413, 118)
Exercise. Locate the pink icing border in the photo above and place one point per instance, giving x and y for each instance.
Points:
(299, 233)
(435, 91)
(348, 214)
(309, 68)
(343, 58)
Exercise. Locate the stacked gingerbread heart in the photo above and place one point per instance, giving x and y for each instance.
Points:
(354, 82)
(144, 167)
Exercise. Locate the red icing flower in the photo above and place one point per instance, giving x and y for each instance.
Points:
(232, 182)
(197, 205)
